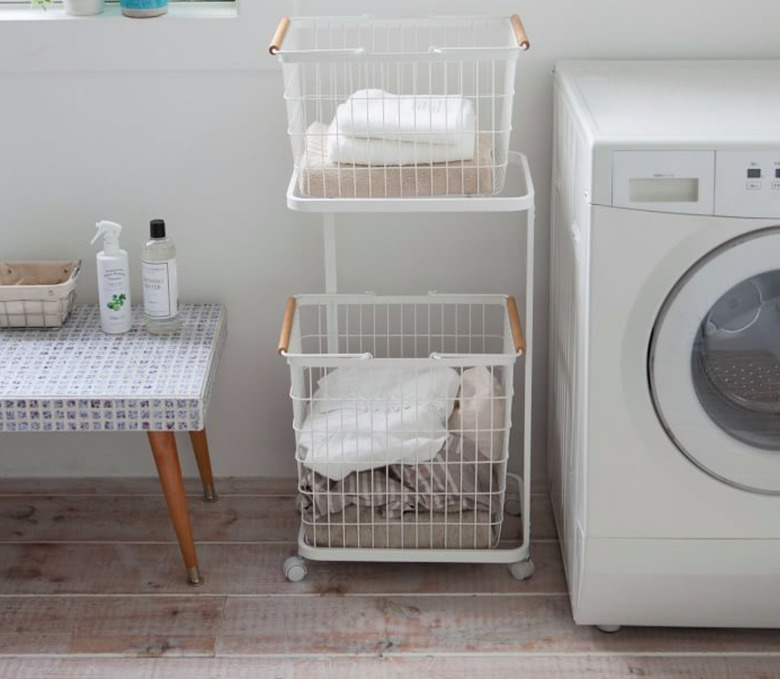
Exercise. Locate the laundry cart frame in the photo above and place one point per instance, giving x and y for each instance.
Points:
(516, 196)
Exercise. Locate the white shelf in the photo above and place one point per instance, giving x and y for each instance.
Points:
(517, 196)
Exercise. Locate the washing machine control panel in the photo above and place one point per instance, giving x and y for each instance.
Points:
(723, 183)
(747, 183)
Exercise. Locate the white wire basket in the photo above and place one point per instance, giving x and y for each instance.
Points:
(399, 108)
(37, 294)
(402, 413)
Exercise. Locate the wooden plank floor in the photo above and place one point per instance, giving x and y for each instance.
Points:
(91, 585)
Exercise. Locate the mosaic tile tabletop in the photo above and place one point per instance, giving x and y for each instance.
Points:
(77, 378)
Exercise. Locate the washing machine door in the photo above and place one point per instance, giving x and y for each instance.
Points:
(714, 363)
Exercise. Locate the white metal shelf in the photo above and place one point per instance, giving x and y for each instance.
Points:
(517, 196)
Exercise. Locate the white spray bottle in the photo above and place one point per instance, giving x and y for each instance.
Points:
(113, 275)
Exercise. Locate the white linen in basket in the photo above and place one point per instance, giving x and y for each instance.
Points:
(368, 151)
(414, 118)
(374, 127)
(372, 416)
(479, 412)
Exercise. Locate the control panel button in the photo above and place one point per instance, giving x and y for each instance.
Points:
(738, 195)
(754, 173)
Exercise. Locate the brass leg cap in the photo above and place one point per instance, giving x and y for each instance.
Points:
(209, 494)
(194, 577)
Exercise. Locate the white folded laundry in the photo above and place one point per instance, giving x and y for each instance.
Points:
(361, 151)
(414, 118)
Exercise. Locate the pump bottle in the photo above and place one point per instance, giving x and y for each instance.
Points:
(158, 266)
(113, 277)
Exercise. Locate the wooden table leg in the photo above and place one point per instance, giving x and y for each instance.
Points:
(168, 469)
(201, 447)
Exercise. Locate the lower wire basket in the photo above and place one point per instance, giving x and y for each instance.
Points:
(402, 411)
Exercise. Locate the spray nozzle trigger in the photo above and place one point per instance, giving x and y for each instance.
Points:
(110, 232)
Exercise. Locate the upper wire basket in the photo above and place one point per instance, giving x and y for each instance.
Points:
(399, 108)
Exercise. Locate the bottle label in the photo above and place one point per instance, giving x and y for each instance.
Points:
(114, 277)
(160, 288)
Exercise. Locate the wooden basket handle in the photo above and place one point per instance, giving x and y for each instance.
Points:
(287, 323)
(514, 324)
(278, 39)
(520, 34)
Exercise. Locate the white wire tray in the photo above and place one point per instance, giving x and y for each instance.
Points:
(517, 196)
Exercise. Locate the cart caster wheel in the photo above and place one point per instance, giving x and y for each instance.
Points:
(513, 506)
(608, 629)
(522, 570)
(294, 569)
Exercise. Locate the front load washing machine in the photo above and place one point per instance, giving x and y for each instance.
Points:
(664, 413)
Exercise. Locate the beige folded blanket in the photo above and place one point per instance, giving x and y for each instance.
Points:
(367, 528)
(321, 179)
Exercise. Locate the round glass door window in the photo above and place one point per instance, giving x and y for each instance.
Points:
(714, 363)
(736, 361)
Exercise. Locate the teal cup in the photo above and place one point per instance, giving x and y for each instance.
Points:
(144, 8)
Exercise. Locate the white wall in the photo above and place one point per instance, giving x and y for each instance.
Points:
(206, 150)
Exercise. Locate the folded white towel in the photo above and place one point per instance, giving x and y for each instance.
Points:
(378, 114)
(362, 151)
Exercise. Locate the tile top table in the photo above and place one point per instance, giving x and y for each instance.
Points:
(77, 378)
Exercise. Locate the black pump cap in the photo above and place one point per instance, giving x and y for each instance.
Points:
(157, 228)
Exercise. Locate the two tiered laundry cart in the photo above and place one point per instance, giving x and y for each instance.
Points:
(402, 404)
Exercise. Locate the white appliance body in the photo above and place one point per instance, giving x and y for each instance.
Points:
(664, 413)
